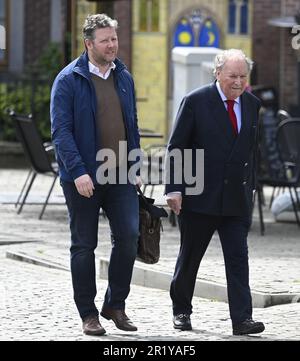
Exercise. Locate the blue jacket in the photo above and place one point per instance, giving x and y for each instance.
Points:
(73, 111)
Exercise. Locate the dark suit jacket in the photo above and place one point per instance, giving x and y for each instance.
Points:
(229, 161)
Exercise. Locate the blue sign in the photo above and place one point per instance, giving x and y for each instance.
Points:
(183, 35)
(209, 34)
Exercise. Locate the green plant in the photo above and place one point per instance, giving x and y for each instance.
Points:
(49, 62)
(31, 94)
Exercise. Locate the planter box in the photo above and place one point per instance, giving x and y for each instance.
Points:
(12, 155)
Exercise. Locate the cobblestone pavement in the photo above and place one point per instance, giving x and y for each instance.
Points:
(36, 302)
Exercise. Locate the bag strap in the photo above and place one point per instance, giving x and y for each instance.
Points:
(140, 192)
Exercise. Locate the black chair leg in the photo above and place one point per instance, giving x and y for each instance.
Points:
(262, 195)
(27, 192)
(144, 186)
(295, 206)
(297, 197)
(46, 201)
(272, 197)
(23, 188)
(260, 211)
(152, 190)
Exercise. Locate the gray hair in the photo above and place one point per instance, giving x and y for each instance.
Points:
(222, 57)
(97, 21)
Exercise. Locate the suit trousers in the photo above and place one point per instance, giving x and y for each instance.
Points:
(120, 203)
(196, 232)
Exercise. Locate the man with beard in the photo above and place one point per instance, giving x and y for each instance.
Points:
(93, 108)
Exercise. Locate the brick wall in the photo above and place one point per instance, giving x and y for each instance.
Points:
(289, 92)
(265, 42)
(275, 60)
(122, 12)
(37, 28)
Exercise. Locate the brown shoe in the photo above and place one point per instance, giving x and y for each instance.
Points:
(92, 326)
(119, 317)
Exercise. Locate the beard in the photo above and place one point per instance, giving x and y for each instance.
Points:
(104, 59)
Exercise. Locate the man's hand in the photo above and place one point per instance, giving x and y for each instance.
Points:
(84, 185)
(138, 181)
(174, 201)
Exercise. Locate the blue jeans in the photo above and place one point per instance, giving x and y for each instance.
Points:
(120, 203)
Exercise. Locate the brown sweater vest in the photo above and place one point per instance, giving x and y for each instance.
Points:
(109, 118)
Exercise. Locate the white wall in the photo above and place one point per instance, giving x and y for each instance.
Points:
(192, 69)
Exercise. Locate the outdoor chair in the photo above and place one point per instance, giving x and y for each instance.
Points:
(282, 115)
(49, 148)
(284, 170)
(152, 172)
(38, 155)
(152, 167)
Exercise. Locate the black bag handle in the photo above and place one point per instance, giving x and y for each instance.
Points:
(138, 188)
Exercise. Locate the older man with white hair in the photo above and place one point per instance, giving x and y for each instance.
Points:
(220, 118)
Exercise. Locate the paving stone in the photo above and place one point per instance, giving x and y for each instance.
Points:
(36, 303)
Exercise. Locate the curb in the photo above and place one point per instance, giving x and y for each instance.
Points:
(205, 289)
(23, 257)
(161, 280)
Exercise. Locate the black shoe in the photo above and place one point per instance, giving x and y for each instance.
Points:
(248, 326)
(119, 317)
(182, 322)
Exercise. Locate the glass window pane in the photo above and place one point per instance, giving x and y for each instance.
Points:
(232, 14)
(2, 9)
(155, 15)
(143, 15)
(2, 30)
(244, 18)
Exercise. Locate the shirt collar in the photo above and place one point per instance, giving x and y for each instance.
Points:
(95, 70)
(222, 95)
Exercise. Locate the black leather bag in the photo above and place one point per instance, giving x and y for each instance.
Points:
(150, 227)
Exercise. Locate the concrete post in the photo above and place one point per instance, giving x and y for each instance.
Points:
(192, 68)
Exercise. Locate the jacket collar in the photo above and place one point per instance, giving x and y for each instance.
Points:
(82, 65)
(220, 116)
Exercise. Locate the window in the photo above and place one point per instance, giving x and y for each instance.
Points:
(244, 18)
(3, 31)
(149, 15)
(232, 16)
(238, 17)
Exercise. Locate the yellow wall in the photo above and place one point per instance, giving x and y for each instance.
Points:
(151, 52)
(239, 42)
(149, 68)
(80, 10)
(243, 42)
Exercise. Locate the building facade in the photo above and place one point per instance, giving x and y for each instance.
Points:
(149, 30)
(161, 25)
(29, 27)
(275, 58)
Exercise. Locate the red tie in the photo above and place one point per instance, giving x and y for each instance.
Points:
(232, 116)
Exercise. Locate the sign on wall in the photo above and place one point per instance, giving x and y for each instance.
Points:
(196, 29)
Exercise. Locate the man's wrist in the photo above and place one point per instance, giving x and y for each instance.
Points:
(170, 194)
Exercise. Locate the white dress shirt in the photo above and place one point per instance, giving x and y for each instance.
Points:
(95, 70)
(237, 106)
